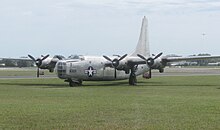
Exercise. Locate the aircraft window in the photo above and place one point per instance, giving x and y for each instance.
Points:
(61, 69)
(73, 70)
(80, 57)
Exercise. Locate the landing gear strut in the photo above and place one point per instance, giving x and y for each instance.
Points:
(133, 77)
(74, 83)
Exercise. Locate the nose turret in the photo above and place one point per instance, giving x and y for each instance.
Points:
(61, 69)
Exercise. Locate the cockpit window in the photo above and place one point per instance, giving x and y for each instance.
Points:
(61, 68)
(80, 57)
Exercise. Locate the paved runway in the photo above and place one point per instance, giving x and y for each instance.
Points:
(167, 72)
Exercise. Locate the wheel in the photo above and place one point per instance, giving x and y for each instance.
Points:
(132, 79)
(74, 84)
(51, 70)
(161, 70)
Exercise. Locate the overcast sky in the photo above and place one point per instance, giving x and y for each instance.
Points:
(97, 27)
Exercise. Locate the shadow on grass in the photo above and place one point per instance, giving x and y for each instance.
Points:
(33, 84)
(105, 84)
(85, 84)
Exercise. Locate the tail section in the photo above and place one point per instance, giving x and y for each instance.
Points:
(142, 47)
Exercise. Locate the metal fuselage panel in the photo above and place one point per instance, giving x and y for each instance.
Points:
(93, 69)
(46, 63)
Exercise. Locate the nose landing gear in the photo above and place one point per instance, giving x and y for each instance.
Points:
(74, 83)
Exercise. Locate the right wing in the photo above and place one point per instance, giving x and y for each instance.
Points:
(177, 59)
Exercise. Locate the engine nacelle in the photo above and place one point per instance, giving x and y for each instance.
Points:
(158, 64)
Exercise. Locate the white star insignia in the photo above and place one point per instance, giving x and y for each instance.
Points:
(90, 71)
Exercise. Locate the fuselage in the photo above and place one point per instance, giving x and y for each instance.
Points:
(92, 68)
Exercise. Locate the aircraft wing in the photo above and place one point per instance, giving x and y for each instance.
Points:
(126, 63)
(135, 61)
(53, 62)
(176, 59)
(16, 59)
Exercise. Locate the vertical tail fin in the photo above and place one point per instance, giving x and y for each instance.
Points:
(142, 47)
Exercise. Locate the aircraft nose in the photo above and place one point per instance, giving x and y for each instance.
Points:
(61, 69)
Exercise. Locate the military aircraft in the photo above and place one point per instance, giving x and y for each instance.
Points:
(104, 68)
(99, 68)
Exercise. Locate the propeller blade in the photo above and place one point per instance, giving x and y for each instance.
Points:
(158, 55)
(38, 62)
(58, 57)
(150, 74)
(107, 58)
(115, 62)
(121, 58)
(115, 74)
(38, 73)
(45, 57)
(31, 57)
(142, 57)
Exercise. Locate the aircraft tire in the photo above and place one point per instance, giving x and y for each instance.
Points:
(161, 70)
(132, 80)
(75, 84)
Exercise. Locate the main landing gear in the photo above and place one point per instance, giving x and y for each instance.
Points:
(74, 83)
(133, 77)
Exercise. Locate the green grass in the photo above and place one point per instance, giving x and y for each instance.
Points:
(159, 103)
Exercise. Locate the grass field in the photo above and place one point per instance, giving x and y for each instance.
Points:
(159, 103)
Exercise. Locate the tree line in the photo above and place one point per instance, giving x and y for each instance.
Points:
(16, 63)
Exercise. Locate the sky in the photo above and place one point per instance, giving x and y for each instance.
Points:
(107, 27)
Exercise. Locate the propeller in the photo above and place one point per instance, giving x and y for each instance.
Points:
(115, 62)
(158, 55)
(38, 62)
(150, 61)
(59, 57)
